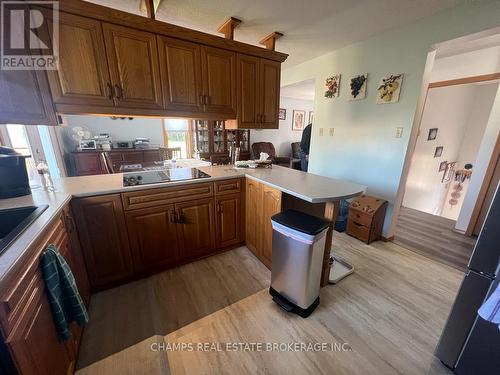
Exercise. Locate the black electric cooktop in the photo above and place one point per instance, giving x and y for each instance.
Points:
(164, 175)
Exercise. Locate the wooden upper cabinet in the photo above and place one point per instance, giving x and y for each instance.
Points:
(153, 237)
(180, 67)
(248, 89)
(25, 98)
(134, 67)
(258, 92)
(195, 227)
(83, 75)
(103, 235)
(270, 72)
(219, 80)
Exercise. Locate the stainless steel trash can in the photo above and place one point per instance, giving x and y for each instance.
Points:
(298, 248)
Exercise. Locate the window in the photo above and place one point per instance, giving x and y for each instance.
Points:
(178, 134)
(35, 141)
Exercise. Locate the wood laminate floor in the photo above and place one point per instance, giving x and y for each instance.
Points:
(433, 236)
(389, 313)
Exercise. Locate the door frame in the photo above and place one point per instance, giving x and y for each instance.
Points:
(419, 111)
(484, 188)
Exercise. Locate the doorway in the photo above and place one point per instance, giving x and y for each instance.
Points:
(453, 167)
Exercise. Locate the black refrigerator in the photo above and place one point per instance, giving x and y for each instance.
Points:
(469, 344)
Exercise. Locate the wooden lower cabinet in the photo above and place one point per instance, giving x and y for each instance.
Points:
(35, 344)
(25, 316)
(103, 235)
(262, 202)
(153, 237)
(228, 220)
(195, 228)
(271, 204)
(253, 216)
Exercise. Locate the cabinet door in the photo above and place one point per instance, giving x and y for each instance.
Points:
(271, 204)
(228, 220)
(103, 235)
(180, 68)
(195, 228)
(35, 344)
(75, 257)
(249, 100)
(88, 163)
(269, 93)
(83, 75)
(153, 237)
(25, 98)
(219, 80)
(253, 215)
(133, 63)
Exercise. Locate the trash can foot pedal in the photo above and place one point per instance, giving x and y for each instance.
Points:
(283, 303)
(291, 307)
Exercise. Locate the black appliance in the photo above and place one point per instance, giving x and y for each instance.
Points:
(469, 344)
(163, 175)
(14, 180)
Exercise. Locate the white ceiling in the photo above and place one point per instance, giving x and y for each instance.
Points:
(312, 28)
(301, 90)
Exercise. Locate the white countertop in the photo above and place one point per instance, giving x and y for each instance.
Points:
(309, 187)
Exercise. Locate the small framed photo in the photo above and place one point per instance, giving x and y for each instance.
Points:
(433, 132)
(442, 166)
(438, 152)
(299, 119)
(311, 117)
(282, 114)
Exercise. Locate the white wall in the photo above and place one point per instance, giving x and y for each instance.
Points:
(461, 114)
(363, 148)
(446, 108)
(120, 130)
(469, 149)
(474, 63)
(282, 137)
(483, 158)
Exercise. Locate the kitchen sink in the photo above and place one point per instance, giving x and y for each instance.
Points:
(14, 221)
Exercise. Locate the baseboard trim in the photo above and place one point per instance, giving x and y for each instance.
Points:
(387, 239)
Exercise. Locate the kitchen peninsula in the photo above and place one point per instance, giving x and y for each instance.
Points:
(290, 188)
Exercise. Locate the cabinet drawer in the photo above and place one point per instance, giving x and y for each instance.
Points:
(156, 197)
(132, 156)
(357, 230)
(227, 186)
(360, 218)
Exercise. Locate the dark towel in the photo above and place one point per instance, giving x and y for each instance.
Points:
(65, 301)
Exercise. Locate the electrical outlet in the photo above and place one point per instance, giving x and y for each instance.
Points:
(331, 131)
(320, 132)
(399, 132)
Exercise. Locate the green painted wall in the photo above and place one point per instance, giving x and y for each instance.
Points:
(363, 148)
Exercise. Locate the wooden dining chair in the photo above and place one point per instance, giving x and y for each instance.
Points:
(169, 153)
(107, 162)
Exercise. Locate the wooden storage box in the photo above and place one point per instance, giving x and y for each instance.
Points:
(366, 218)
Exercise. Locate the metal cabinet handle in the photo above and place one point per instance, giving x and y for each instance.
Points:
(118, 92)
(171, 216)
(207, 100)
(202, 99)
(110, 90)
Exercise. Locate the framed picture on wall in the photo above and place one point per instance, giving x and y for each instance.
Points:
(433, 132)
(311, 117)
(442, 166)
(298, 121)
(282, 114)
(438, 152)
